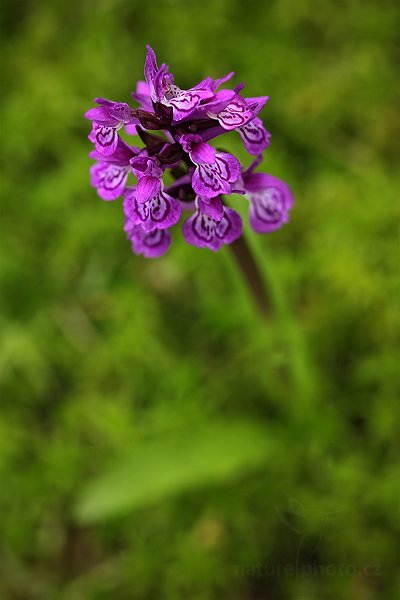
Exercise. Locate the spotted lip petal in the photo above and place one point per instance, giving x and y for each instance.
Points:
(121, 155)
(234, 115)
(270, 202)
(160, 212)
(204, 232)
(215, 179)
(108, 179)
(186, 102)
(213, 105)
(105, 139)
(151, 244)
(255, 137)
(228, 166)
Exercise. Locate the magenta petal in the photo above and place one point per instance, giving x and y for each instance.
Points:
(101, 116)
(204, 232)
(270, 202)
(211, 180)
(131, 129)
(147, 188)
(162, 82)
(228, 166)
(203, 153)
(236, 114)
(206, 181)
(146, 165)
(186, 102)
(220, 101)
(142, 96)
(104, 138)
(257, 103)
(160, 212)
(212, 84)
(198, 230)
(255, 137)
(267, 212)
(212, 207)
(258, 182)
(230, 228)
(189, 140)
(150, 68)
(142, 87)
(109, 179)
(150, 244)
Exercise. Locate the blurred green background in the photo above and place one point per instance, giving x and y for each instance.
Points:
(157, 441)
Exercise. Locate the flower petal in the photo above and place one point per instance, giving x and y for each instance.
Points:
(121, 156)
(159, 212)
(104, 138)
(202, 231)
(228, 166)
(206, 181)
(131, 129)
(258, 182)
(212, 180)
(147, 188)
(101, 116)
(186, 102)
(150, 69)
(212, 207)
(202, 153)
(257, 103)
(212, 84)
(235, 114)
(146, 165)
(230, 228)
(150, 244)
(198, 230)
(109, 179)
(255, 137)
(270, 202)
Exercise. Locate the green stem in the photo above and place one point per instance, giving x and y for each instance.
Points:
(252, 275)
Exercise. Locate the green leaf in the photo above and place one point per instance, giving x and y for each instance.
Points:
(161, 468)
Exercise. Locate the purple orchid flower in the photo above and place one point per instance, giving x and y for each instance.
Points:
(270, 200)
(176, 127)
(107, 119)
(162, 89)
(149, 175)
(160, 211)
(109, 175)
(151, 244)
(215, 171)
(236, 114)
(148, 205)
(255, 137)
(203, 230)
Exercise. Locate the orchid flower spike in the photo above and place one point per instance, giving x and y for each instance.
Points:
(175, 127)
